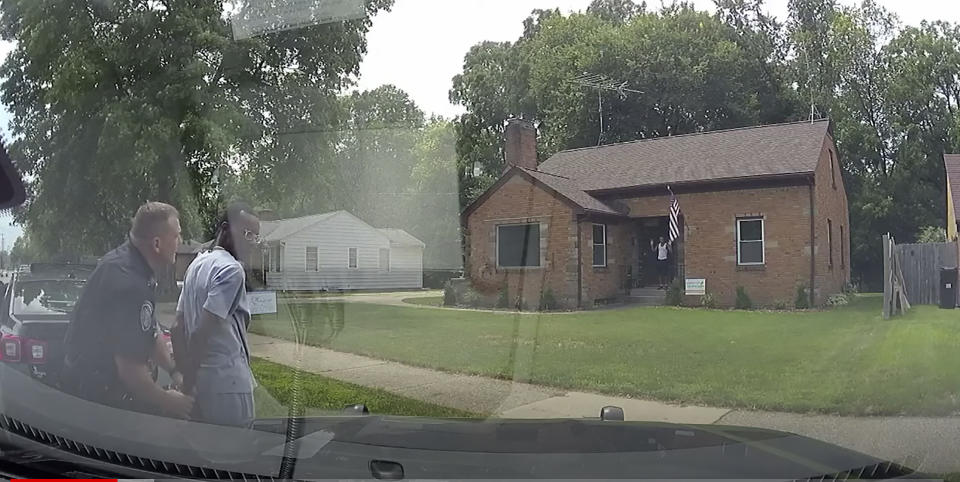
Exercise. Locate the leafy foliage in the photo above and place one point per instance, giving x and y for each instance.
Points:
(802, 301)
(23, 251)
(708, 300)
(743, 301)
(838, 300)
(449, 295)
(503, 297)
(932, 234)
(115, 103)
(674, 296)
(548, 301)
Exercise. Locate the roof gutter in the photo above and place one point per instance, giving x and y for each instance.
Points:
(579, 262)
(680, 185)
(813, 246)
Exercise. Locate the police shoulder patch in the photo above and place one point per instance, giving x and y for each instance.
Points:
(146, 316)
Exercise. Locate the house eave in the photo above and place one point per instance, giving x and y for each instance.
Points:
(801, 178)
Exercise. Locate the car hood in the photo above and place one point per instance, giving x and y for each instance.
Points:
(134, 445)
(572, 448)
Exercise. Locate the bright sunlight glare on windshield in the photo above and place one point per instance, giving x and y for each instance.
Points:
(311, 239)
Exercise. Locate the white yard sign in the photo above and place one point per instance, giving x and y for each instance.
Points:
(696, 286)
(262, 302)
(257, 17)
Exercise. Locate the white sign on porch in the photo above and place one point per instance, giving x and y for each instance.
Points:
(262, 302)
(696, 286)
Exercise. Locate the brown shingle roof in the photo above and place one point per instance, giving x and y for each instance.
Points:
(772, 150)
(568, 189)
(952, 163)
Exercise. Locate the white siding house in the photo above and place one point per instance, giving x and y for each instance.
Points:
(338, 251)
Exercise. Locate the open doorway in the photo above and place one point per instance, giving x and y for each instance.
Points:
(648, 233)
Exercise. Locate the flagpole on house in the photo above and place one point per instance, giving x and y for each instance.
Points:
(675, 225)
(674, 209)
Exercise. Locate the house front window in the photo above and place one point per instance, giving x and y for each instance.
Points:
(843, 256)
(385, 259)
(750, 241)
(518, 245)
(352, 258)
(830, 241)
(274, 259)
(833, 168)
(599, 245)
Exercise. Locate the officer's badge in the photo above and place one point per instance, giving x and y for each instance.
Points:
(146, 316)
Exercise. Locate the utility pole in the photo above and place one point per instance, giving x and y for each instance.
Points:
(602, 83)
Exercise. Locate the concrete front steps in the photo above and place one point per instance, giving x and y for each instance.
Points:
(647, 296)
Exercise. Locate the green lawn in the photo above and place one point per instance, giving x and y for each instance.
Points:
(846, 361)
(425, 301)
(321, 394)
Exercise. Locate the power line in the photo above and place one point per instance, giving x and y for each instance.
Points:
(603, 83)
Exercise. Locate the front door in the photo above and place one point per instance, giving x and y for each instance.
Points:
(649, 231)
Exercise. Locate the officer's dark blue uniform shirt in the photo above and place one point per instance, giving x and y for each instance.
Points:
(114, 316)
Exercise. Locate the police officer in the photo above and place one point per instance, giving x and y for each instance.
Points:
(212, 318)
(114, 336)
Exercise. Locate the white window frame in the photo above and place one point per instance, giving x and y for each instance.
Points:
(829, 243)
(762, 241)
(833, 168)
(306, 257)
(380, 259)
(496, 246)
(594, 245)
(356, 257)
(276, 262)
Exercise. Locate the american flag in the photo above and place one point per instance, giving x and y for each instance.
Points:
(674, 218)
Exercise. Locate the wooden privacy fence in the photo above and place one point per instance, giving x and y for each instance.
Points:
(920, 265)
(894, 295)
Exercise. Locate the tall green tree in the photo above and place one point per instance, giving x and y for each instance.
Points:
(695, 73)
(115, 103)
(617, 11)
(375, 154)
(891, 94)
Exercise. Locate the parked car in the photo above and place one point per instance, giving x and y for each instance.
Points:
(34, 315)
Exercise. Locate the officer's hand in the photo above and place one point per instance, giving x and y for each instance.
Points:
(178, 405)
(177, 379)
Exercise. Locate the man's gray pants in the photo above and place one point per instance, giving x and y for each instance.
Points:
(233, 409)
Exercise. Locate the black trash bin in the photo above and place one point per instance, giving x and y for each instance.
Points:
(948, 288)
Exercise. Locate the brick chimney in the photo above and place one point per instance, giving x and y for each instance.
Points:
(521, 144)
(267, 214)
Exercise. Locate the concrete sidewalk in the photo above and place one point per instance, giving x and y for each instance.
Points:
(927, 444)
(500, 398)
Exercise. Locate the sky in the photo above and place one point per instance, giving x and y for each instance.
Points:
(420, 44)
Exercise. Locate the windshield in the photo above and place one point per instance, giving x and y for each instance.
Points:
(47, 297)
(709, 213)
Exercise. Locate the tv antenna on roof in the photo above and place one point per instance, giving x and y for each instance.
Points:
(603, 83)
(814, 113)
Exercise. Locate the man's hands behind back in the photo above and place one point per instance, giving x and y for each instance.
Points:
(177, 404)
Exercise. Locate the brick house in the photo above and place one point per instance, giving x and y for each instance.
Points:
(762, 207)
